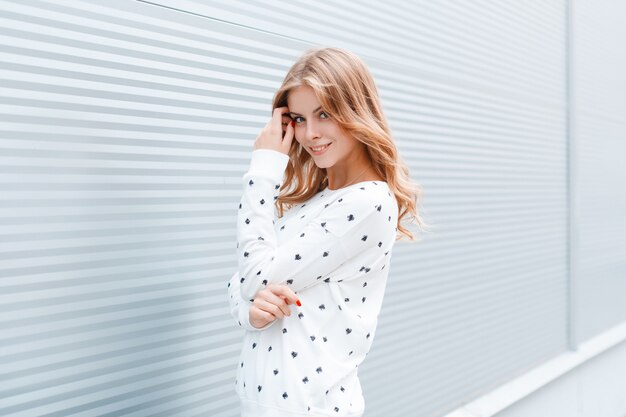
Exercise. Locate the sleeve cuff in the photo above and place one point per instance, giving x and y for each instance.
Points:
(268, 162)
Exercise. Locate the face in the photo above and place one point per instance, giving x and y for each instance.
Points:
(317, 132)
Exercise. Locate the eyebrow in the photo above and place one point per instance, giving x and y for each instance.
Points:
(298, 114)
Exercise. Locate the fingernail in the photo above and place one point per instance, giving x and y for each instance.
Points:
(298, 303)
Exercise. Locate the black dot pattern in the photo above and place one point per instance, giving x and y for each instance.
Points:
(332, 251)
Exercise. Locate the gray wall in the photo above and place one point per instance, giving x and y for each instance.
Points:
(595, 388)
(599, 165)
(125, 128)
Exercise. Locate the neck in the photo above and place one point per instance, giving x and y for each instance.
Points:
(350, 170)
(352, 181)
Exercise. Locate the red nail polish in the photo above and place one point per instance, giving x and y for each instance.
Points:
(298, 303)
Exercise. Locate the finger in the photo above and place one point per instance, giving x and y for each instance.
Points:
(264, 314)
(286, 292)
(285, 299)
(278, 301)
(270, 308)
(278, 289)
(288, 138)
(277, 117)
(285, 121)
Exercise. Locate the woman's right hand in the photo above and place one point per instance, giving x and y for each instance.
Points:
(272, 303)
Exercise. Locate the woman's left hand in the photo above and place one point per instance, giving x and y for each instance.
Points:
(271, 136)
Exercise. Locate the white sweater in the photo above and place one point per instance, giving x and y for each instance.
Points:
(334, 252)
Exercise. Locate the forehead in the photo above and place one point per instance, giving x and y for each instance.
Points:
(302, 99)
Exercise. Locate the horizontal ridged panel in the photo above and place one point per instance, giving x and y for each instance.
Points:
(124, 135)
(599, 133)
(126, 127)
(475, 96)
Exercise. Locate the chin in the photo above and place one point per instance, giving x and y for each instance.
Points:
(322, 165)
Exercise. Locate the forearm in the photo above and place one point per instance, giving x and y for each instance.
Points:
(240, 308)
(256, 237)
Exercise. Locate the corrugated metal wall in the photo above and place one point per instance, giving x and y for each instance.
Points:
(599, 139)
(125, 128)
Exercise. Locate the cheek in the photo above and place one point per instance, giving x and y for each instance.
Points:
(345, 146)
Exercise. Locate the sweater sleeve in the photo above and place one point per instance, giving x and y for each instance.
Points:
(340, 232)
(240, 308)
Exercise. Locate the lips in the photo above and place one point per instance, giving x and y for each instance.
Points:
(317, 150)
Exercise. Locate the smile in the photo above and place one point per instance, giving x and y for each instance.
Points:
(318, 150)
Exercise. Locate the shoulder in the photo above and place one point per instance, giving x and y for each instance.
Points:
(368, 195)
(370, 203)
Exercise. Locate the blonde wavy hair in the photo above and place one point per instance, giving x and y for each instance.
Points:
(346, 91)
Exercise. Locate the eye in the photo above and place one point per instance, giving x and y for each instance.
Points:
(297, 120)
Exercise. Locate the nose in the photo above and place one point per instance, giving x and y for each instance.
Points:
(311, 130)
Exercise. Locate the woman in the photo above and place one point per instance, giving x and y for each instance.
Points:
(310, 281)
